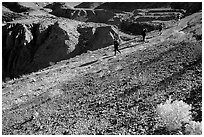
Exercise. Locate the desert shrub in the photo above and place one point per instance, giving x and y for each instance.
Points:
(177, 115)
(174, 114)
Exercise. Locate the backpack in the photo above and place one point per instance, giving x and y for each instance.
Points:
(144, 32)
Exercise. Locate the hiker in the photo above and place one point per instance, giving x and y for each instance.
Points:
(144, 33)
(179, 16)
(116, 44)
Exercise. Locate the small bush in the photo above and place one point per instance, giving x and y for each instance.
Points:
(174, 114)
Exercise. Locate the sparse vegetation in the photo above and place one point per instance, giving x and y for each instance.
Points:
(177, 116)
(174, 114)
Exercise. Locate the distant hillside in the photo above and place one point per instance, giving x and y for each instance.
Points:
(190, 7)
(72, 4)
(90, 5)
(8, 15)
(58, 5)
(27, 6)
(16, 7)
(130, 6)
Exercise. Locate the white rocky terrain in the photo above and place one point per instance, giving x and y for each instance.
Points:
(60, 75)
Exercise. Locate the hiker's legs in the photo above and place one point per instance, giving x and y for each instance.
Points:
(118, 51)
(115, 51)
(143, 37)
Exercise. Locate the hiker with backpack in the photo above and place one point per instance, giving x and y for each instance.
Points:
(116, 44)
(116, 40)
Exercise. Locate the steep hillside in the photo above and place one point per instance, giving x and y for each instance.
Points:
(97, 93)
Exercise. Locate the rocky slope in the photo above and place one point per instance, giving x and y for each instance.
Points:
(98, 93)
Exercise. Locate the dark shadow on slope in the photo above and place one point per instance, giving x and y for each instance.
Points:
(161, 131)
(88, 63)
(107, 57)
(193, 99)
(15, 7)
(130, 46)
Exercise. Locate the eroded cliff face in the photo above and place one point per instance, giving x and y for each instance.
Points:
(32, 46)
(19, 44)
